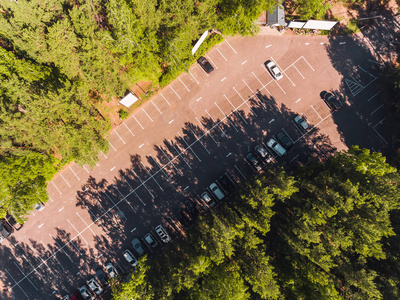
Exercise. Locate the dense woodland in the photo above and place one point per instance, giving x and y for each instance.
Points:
(326, 232)
(60, 58)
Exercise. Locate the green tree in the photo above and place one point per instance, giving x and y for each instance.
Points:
(311, 9)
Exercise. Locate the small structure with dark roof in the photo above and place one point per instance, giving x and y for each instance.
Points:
(277, 17)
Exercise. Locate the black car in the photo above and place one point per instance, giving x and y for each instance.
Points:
(101, 277)
(182, 218)
(226, 184)
(205, 65)
(263, 154)
(284, 140)
(254, 162)
(332, 102)
(190, 207)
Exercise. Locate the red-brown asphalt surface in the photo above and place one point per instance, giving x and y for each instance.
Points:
(194, 130)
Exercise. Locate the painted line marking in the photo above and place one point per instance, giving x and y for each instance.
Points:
(342, 43)
(209, 134)
(306, 62)
(203, 70)
(138, 122)
(179, 152)
(226, 116)
(134, 191)
(244, 62)
(16, 284)
(141, 145)
(377, 109)
(162, 170)
(169, 161)
(199, 99)
(156, 107)
(61, 248)
(175, 92)
(170, 121)
(40, 225)
(133, 229)
(37, 272)
(229, 154)
(74, 173)
(147, 170)
(119, 136)
(193, 77)
(299, 72)
(124, 198)
(263, 86)
(223, 79)
(103, 155)
(56, 187)
(307, 43)
(244, 101)
(147, 115)
(112, 169)
(112, 146)
(234, 109)
(294, 158)
(283, 71)
(248, 86)
(288, 135)
(268, 46)
(271, 121)
(230, 45)
(189, 147)
(142, 183)
(212, 61)
(77, 232)
(266, 70)
(52, 255)
(199, 140)
(186, 188)
(222, 54)
(65, 180)
(165, 99)
(373, 96)
(240, 172)
(85, 169)
(88, 226)
(61, 209)
(184, 85)
(298, 100)
(316, 112)
(322, 43)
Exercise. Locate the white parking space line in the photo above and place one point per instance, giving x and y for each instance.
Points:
(240, 172)
(138, 122)
(307, 63)
(16, 283)
(88, 227)
(209, 134)
(230, 46)
(218, 124)
(260, 101)
(85, 169)
(56, 187)
(165, 99)
(298, 71)
(52, 255)
(276, 81)
(380, 122)
(226, 117)
(114, 205)
(65, 180)
(263, 86)
(124, 198)
(161, 169)
(43, 262)
(316, 112)
(175, 92)
(77, 232)
(132, 189)
(25, 275)
(373, 96)
(103, 155)
(74, 173)
(248, 86)
(178, 154)
(234, 108)
(202, 70)
(36, 271)
(245, 101)
(128, 129)
(147, 115)
(190, 148)
(69, 257)
(169, 160)
(142, 183)
(69, 241)
(146, 245)
(283, 71)
(193, 77)
(212, 62)
(199, 140)
(111, 146)
(294, 158)
(377, 109)
(222, 55)
(152, 176)
(287, 135)
(119, 136)
(94, 218)
(244, 62)
(156, 107)
(184, 85)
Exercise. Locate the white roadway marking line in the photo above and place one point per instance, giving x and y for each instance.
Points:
(373, 96)
(240, 172)
(230, 45)
(147, 115)
(141, 145)
(199, 99)
(307, 63)
(283, 71)
(74, 173)
(165, 99)
(298, 71)
(298, 100)
(245, 101)
(214, 122)
(40, 275)
(294, 158)
(209, 134)
(103, 154)
(378, 132)
(112, 219)
(193, 77)
(185, 84)
(112, 169)
(51, 199)
(162, 170)
(114, 205)
(147, 170)
(223, 79)
(222, 54)
(248, 86)
(61, 248)
(128, 129)
(16, 283)
(170, 121)
(316, 112)
(111, 146)
(287, 135)
(186, 188)
(225, 116)
(199, 140)
(244, 120)
(119, 136)
(169, 160)
(40, 225)
(211, 61)
(61, 209)
(85, 168)
(379, 122)
(138, 122)
(272, 120)
(268, 46)
(77, 231)
(65, 180)
(43, 262)
(244, 62)
(175, 92)
(263, 86)
(89, 227)
(178, 155)
(229, 154)
(156, 107)
(191, 149)
(307, 43)
(276, 81)
(52, 255)
(377, 109)
(124, 198)
(142, 183)
(56, 187)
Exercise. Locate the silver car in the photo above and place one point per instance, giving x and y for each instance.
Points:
(301, 122)
(95, 286)
(162, 233)
(150, 240)
(273, 69)
(274, 145)
(130, 258)
(111, 270)
(86, 293)
(217, 191)
(207, 199)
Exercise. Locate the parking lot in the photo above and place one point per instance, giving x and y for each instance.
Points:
(185, 137)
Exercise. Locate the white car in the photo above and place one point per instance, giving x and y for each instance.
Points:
(86, 293)
(39, 206)
(131, 259)
(274, 145)
(207, 199)
(273, 69)
(111, 270)
(301, 122)
(95, 286)
(162, 233)
(150, 240)
(217, 191)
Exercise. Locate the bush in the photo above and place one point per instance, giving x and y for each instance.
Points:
(123, 114)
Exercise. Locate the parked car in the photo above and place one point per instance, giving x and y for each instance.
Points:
(254, 162)
(205, 65)
(130, 258)
(95, 286)
(274, 145)
(111, 270)
(66, 297)
(263, 153)
(162, 233)
(301, 123)
(76, 295)
(86, 293)
(332, 102)
(217, 191)
(150, 240)
(226, 183)
(40, 206)
(5, 230)
(284, 140)
(207, 199)
(273, 69)
(102, 278)
(181, 218)
(137, 245)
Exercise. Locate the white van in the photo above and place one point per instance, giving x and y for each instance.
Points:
(217, 191)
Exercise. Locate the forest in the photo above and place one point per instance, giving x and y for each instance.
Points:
(327, 231)
(59, 59)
